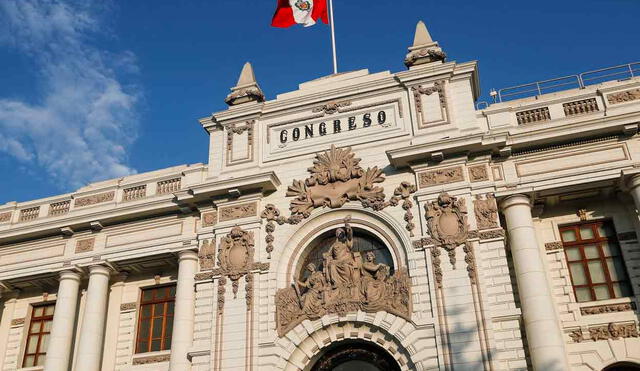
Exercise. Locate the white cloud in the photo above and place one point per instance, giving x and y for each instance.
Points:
(85, 117)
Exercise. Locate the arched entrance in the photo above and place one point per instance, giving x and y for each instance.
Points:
(354, 355)
(622, 366)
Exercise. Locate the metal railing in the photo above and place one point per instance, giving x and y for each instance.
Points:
(621, 72)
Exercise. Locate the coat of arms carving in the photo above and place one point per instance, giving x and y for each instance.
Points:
(235, 255)
(447, 223)
(348, 282)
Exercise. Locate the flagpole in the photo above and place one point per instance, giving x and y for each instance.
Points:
(333, 38)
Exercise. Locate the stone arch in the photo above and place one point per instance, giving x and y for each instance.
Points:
(623, 366)
(379, 223)
(395, 335)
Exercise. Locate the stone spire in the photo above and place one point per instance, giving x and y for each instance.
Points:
(246, 89)
(424, 49)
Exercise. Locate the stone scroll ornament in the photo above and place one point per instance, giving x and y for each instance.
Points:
(447, 223)
(346, 282)
(337, 178)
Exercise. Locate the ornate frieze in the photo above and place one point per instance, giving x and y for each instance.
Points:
(95, 199)
(5, 217)
(238, 211)
(209, 219)
(332, 107)
(478, 173)
(624, 96)
(206, 254)
(85, 245)
(447, 223)
(613, 331)
(337, 178)
(151, 359)
(486, 211)
(608, 308)
(552, 246)
(347, 283)
(440, 176)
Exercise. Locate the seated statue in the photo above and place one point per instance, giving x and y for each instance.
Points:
(341, 269)
(374, 280)
(313, 299)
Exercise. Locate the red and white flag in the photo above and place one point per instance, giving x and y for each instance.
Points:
(304, 12)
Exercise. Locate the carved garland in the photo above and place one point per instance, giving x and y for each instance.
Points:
(613, 331)
(337, 178)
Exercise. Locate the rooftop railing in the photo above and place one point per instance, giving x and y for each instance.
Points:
(621, 72)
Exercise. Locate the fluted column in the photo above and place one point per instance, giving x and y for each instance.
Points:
(544, 335)
(64, 318)
(94, 319)
(184, 311)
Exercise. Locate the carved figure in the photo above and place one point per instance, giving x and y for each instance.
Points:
(486, 211)
(347, 284)
(447, 223)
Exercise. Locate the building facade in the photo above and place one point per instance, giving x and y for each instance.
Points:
(366, 221)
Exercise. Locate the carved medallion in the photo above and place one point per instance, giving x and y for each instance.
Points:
(5, 217)
(85, 245)
(447, 223)
(478, 173)
(209, 219)
(235, 255)
(347, 283)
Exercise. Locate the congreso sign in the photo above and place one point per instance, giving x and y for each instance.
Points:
(395, 223)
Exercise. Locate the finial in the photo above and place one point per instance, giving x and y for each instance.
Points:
(246, 89)
(424, 49)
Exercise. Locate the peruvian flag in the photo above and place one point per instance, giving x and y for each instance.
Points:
(304, 12)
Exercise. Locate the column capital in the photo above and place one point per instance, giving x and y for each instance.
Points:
(633, 181)
(187, 255)
(69, 275)
(99, 269)
(516, 199)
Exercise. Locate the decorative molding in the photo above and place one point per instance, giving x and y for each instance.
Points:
(624, 96)
(438, 87)
(271, 214)
(347, 283)
(85, 245)
(424, 55)
(607, 308)
(486, 211)
(222, 281)
(552, 246)
(235, 255)
(235, 129)
(94, 199)
(582, 214)
(423, 243)
(246, 210)
(206, 254)
(437, 267)
(440, 176)
(478, 173)
(447, 223)
(331, 107)
(627, 236)
(470, 259)
(5, 217)
(248, 288)
(128, 306)
(151, 359)
(17, 321)
(613, 331)
(209, 219)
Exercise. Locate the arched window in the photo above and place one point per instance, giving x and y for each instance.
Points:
(363, 241)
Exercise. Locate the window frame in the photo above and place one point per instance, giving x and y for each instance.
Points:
(597, 241)
(42, 319)
(165, 343)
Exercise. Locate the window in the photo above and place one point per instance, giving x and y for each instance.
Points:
(38, 335)
(595, 262)
(156, 319)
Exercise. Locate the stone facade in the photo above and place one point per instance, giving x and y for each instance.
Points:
(463, 208)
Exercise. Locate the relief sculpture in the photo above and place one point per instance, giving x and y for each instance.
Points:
(447, 223)
(348, 282)
(235, 255)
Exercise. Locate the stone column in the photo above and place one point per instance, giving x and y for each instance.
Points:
(93, 321)
(544, 335)
(634, 190)
(184, 311)
(64, 318)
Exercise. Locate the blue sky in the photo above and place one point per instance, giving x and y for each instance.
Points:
(97, 90)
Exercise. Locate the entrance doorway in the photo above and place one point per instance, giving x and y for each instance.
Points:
(354, 355)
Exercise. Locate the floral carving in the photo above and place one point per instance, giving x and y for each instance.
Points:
(424, 55)
(486, 211)
(624, 96)
(249, 290)
(5, 217)
(347, 283)
(610, 308)
(614, 331)
(17, 321)
(95, 199)
(552, 246)
(332, 107)
(440, 176)
(238, 211)
(128, 306)
(209, 219)
(404, 192)
(222, 281)
(85, 245)
(478, 173)
(437, 268)
(470, 259)
(271, 214)
(206, 255)
(491, 234)
(447, 223)
(251, 93)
